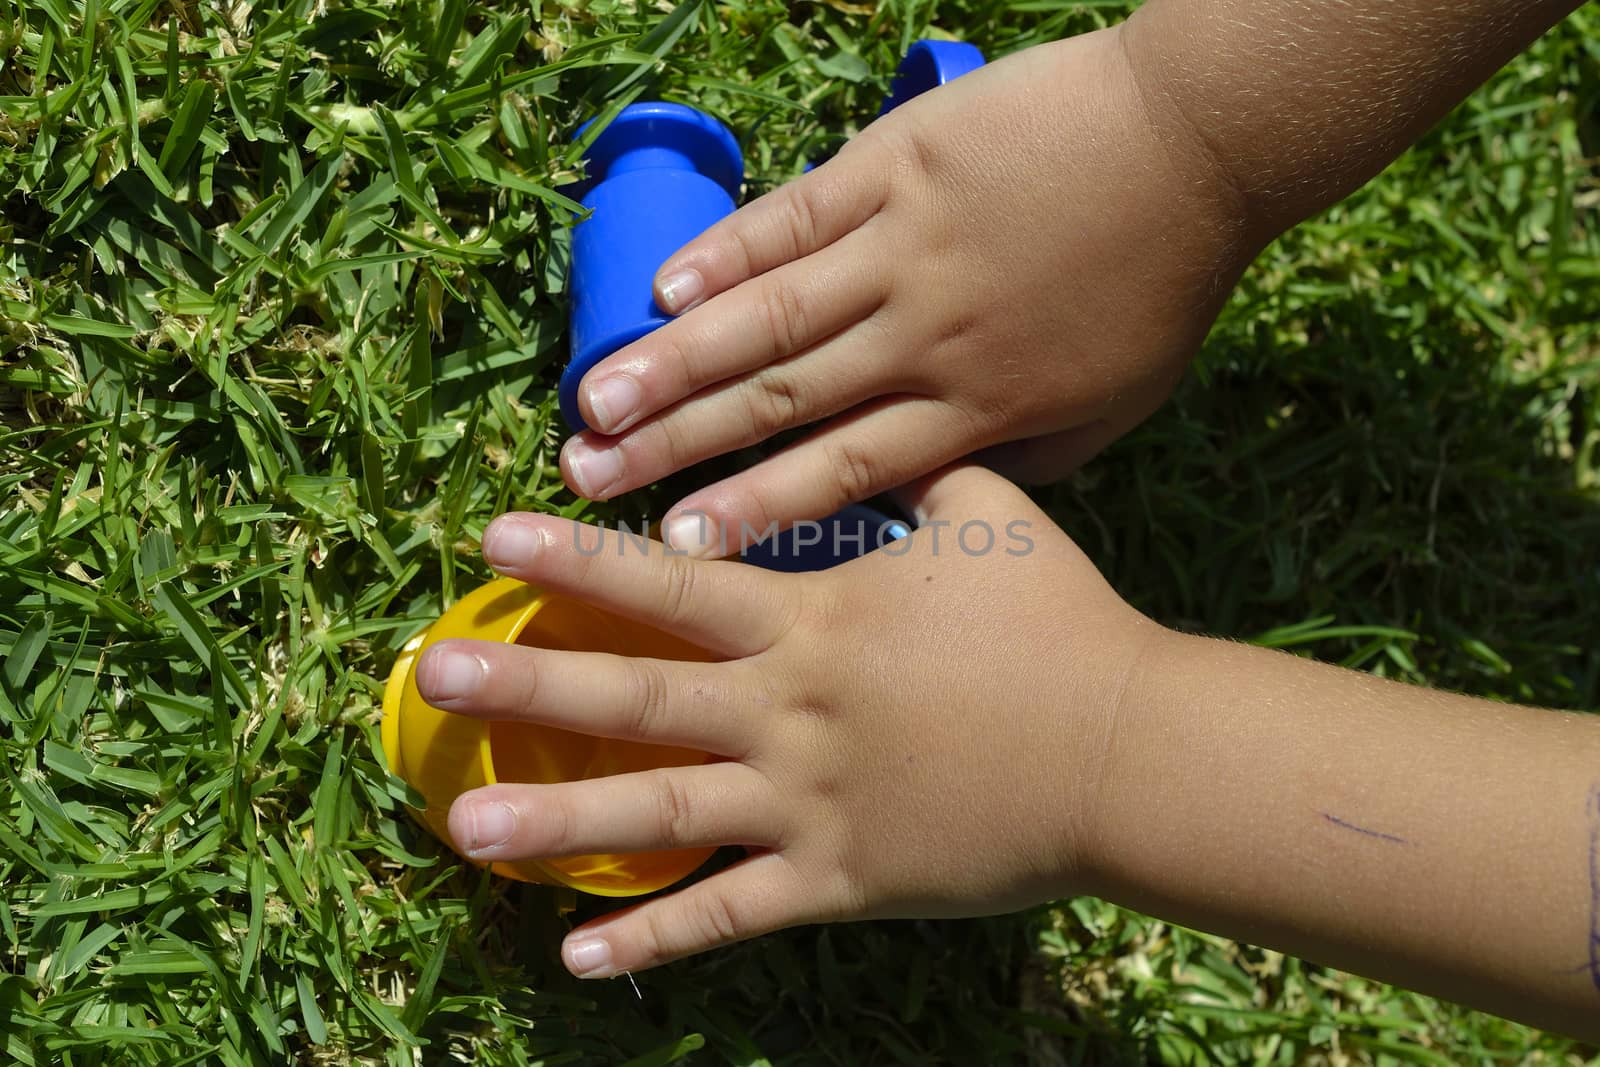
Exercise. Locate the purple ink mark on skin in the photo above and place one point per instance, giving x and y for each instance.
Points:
(1594, 886)
(1379, 834)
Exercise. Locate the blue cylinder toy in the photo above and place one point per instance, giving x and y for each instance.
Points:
(928, 65)
(658, 176)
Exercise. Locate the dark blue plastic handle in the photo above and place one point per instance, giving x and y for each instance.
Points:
(814, 546)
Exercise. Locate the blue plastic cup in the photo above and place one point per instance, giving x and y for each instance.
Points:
(659, 175)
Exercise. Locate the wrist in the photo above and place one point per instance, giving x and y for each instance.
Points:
(1200, 155)
(1150, 688)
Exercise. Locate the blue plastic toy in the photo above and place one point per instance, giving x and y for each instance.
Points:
(659, 175)
(928, 65)
(815, 546)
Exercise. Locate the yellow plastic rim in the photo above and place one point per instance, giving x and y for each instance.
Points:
(443, 755)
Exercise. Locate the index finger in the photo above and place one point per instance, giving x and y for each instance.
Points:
(729, 608)
(792, 221)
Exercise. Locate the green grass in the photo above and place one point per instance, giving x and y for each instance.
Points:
(280, 319)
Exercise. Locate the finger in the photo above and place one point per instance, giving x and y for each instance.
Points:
(743, 411)
(664, 702)
(753, 897)
(646, 811)
(792, 221)
(726, 608)
(873, 448)
(762, 320)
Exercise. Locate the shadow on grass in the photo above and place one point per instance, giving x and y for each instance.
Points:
(1439, 484)
(904, 992)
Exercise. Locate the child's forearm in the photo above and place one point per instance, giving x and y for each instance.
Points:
(1297, 102)
(1446, 844)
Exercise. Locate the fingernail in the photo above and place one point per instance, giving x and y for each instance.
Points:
(693, 535)
(447, 675)
(594, 469)
(493, 824)
(679, 290)
(510, 542)
(613, 401)
(591, 959)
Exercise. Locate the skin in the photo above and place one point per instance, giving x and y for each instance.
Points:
(1448, 844)
(989, 267)
(1023, 261)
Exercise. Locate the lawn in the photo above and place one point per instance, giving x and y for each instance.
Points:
(280, 322)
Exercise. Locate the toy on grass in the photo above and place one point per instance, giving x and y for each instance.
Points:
(442, 755)
(658, 175)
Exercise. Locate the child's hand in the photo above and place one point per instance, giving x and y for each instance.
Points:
(927, 732)
(907, 734)
(1026, 252)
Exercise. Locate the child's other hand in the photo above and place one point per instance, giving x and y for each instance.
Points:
(866, 776)
(1023, 256)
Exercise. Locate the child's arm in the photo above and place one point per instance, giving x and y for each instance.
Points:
(1031, 253)
(940, 729)
(1442, 843)
(1298, 102)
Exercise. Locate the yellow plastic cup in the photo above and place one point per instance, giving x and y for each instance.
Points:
(443, 755)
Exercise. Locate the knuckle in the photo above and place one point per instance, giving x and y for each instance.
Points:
(799, 219)
(856, 469)
(676, 812)
(976, 417)
(648, 701)
(951, 350)
(748, 244)
(955, 333)
(861, 184)
(786, 681)
(678, 582)
(821, 609)
(910, 156)
(785, 315)
(720, 920)
(774, 402)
